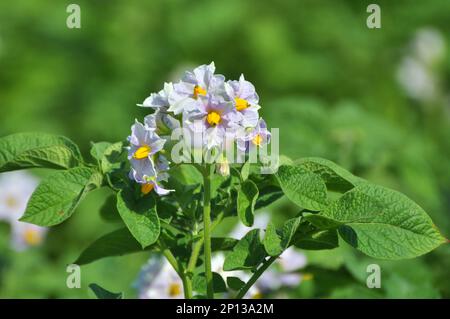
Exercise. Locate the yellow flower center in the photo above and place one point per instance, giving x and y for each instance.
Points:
(174, 289)
(213, 118)
(308, 276)
(257, 295)
(241, 104)
(11, 202)
(257, 140)
(146, 188)
(198, 90)
(32, 237)
(142, 152)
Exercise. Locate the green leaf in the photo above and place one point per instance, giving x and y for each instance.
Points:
(276, 241)
(268, 195)
(113, 157)
(98, 149)
(246, 201)
(199, 283)
(109, 211)
(304, 188)
(322, 222)
(323, 239)
(245, 170)
(186, 174)
(27, 150)
(58, 195)
(222, 243)
(383, 223)
(117, 243)
(102, 293)
(139, 215)
(335, 177)
(247, 254)
(235, 283)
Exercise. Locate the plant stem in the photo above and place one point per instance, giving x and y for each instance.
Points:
(207, 230)
(197, 246)
(255, 277)
(187, 286)
(194, 256)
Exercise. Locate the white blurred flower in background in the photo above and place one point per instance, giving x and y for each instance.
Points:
(285, 270)
(217, 266)
(418, 71)
(158, 280)
(416, 79)
(429, 46)
(15, 191)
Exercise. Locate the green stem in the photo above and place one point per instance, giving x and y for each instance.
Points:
(255, 277)
(187, 287)
(197, 246)
(194, 256)
(207, 230)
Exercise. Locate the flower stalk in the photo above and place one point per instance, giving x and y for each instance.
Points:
(207, 230)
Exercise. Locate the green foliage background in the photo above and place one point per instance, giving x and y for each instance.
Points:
(325, 79)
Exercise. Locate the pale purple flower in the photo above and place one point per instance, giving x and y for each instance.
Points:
(146, 165)
(161, 122)
(150, 173)
(197, 83)
(254, 137)
(214, 119)
(243, 95)
(143, 142)
(159, 100)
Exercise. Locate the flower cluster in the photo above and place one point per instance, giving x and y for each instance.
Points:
(224, 113)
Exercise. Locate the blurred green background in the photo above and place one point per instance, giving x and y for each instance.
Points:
(376, 101)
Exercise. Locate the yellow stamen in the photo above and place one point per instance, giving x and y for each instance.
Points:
(213, 118)
(198, 90)
(257, 295)
(142, 152)
(257, 140)
(147, 188)
(174, 289)
(307, 276)
(11, 202)
(241, 104)
(32, 237)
